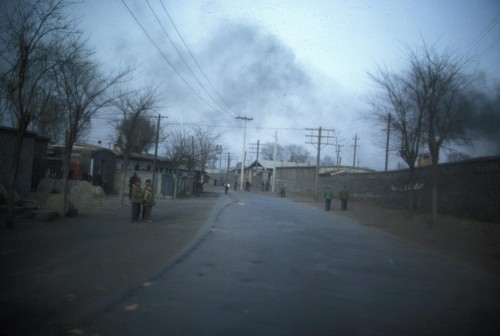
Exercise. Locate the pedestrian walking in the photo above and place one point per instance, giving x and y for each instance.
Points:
(328, 197)
(149, 201)
(344, 196)
(226, 187)
(136, 199)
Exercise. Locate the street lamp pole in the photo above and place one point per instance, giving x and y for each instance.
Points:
(243, 154)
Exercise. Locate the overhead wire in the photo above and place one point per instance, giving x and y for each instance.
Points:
(184, 60)
(167, 60)
(195, 61)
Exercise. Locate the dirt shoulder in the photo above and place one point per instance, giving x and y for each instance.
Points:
(473, 242)
(52, 270)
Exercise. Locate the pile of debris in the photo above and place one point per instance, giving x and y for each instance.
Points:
(47, 202)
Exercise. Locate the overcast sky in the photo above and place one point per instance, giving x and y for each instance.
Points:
(287, 64)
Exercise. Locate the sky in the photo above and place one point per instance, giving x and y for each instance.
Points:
(290, 65)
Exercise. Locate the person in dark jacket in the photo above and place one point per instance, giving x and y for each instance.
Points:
(131, 182)
(344, 196)
(136, 199)
(328, 197)
(149, 201)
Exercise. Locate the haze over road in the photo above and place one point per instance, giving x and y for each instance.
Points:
(269, 266)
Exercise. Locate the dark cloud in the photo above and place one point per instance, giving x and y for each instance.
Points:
(484, 118)
(255, 71)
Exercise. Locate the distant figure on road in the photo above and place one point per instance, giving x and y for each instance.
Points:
(282, 191)
(226, 187)
(235, 185)
(328, 196)
(344, 196)
(149, 201)
(136, 198)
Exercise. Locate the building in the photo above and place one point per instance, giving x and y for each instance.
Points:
(32, 162)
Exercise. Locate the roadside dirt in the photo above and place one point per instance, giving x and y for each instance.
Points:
(473, 242)
(52, 270)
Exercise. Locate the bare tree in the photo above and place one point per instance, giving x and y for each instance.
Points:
(205, 150)
(84, 91)
(30, 33)
(178, 148)
(268, 152)
(136, 129)
(404, 120)
(50, 122)
(438, 84)
(296, 153)
(205, 140)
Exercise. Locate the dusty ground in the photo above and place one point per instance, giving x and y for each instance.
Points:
(50, 270)
(474, 242)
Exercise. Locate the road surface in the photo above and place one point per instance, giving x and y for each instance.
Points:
(269, 266)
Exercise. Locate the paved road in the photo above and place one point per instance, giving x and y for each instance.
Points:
(268, 266)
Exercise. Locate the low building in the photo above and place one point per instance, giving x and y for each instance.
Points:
(32, 162)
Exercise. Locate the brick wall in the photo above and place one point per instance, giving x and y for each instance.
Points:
(469, 188)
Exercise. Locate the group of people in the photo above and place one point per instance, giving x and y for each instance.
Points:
(343, 196)
(141, 199)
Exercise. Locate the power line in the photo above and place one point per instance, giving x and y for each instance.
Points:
(166, 58)
(194, 59)
(184, 60)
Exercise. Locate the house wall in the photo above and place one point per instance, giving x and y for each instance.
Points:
(30, 167)
(469, 188)
(104, 164)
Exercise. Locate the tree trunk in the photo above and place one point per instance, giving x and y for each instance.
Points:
(18, 147)
(411, 192)
(434, 193)
(65, 179)
(121, 195)
(123, 176)
(174, 196)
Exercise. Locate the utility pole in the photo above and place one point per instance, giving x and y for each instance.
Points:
(355, 146)
(338, 150)
(275, 152)
(156, 151)
(228, 165)
(387, 142)
(255, 149)
(319, 144)
(243, 152)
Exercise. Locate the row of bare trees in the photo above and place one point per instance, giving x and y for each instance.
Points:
(423, 107)
(288, 153)
(50, 83)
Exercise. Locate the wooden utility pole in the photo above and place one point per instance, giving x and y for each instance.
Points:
(355, 146)
(156, 152)
(243, 152)
(316, 139)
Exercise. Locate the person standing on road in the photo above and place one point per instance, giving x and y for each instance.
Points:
(131, 183)
(136, 198)
(328, 196)
(149, 201)
(344, 196)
